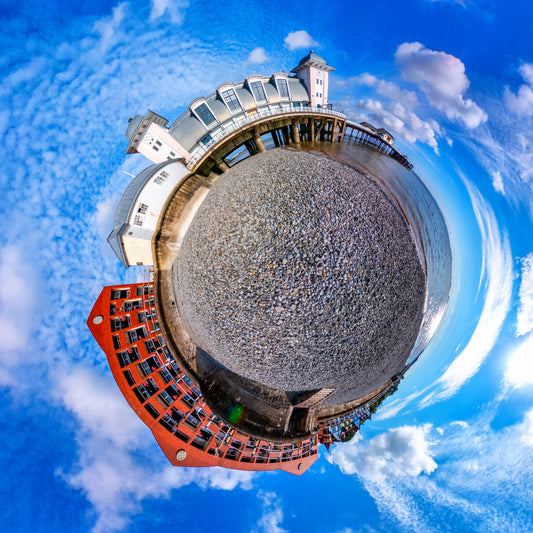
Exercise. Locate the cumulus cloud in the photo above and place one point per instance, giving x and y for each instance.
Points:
(442, 78)
(272, 517)
(497, 181)
(403, 451)
(389, 89)
(497, 273)
(519, 370)
(482, 480)
(61, 184)
(173, 9)
(521, 103)
(524, 322)
(394, 116)
(257, 56)
(119, 464)
(299, 39)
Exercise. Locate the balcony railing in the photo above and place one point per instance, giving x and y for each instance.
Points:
(239, 121)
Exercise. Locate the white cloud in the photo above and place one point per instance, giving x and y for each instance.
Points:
(482, 481)
(257, 56)
(170, 8)
(497, 181)
(497, 272)
(524, 321)
(402, 451)
(442, 78)
(522, 102)
(391, 90)
(110, 28)
(272, 517)
(99, 406)
(120, 465)
(18, 309)
(71, 110)
(405, 123)
(299, 39)
(519, 371)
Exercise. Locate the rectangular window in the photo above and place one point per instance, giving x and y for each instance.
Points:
(138, 220)
(206, 140)
(144, 369)
(204, 114)
(258, 91)
(172, 154)
(283, 89)
(152, 410)
(165, 375)
(165, 398)
(130, 306)
(129, 377)
(120, 323)
(149, 345)
(116, 342)
(158, 143)
(142, 208)
(119, 294)
(231, 99)
(156, 148)
(128, 356)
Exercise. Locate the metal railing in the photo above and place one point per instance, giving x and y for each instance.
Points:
(234, 124)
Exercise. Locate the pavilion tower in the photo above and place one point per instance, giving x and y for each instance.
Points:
(314, 72)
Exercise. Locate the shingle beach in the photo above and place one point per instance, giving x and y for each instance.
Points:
(299, 272)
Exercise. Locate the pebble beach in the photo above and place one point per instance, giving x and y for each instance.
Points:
(300, 273)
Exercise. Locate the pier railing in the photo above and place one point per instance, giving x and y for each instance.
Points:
(238, 122)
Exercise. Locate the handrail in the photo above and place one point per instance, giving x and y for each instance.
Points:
(230, 126)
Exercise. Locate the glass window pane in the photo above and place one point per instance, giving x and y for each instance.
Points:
(231, 100)
(282, 88)
(205, 115)
(258, 91)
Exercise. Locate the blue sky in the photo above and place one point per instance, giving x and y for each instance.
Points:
(452, 80)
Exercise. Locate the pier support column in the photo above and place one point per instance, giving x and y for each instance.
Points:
(221, 164)
(259, 142)
(295, 133)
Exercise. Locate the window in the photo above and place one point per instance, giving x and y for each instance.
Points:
(142, 208)
(149, 345)
(119, 294)
(128, 356)
(129, 377)
(152, 410)
(206, 139)
(283, 88)
(172, 154)
(120, 323)
(131, 305)
(158, 143)
(144, 369)
(258, 91)
(165, 398)
(159, 180)
(231, 99)
(165, 375)
(204, 114)
(138, 220)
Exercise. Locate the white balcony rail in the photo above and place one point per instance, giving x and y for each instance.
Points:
(237, 122)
